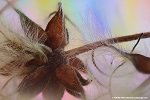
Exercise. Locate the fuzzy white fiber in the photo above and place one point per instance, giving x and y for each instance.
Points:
(16, 48)
(107, 82)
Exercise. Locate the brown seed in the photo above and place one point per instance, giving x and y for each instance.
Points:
(141, 62)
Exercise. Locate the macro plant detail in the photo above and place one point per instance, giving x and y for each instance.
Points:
(39, 56)
(52, 73)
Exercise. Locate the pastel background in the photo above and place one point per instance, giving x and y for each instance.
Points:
(122, 16)
(119, 17)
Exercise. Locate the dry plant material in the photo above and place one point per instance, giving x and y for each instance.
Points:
(141, 62)
(51, 70)
(57, 73)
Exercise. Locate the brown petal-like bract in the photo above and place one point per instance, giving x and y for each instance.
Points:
(31, 29)
(53, 90)
(67, 76)
(56, 31)
(77, 64)
(142, 63)
(33, 84)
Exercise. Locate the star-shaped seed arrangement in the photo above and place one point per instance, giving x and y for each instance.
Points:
(51, 70)
(58, 73)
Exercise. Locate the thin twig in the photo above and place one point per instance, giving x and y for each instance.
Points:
(92, 46)
(137, 42)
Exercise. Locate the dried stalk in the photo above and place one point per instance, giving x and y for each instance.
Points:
(92, 46)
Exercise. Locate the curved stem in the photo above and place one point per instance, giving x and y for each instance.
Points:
(97, 66)
(110, 79)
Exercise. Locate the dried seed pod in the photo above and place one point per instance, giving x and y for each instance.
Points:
(56, 31)
(83, 81)
(54, 90)
(67, 76)
(33, 84)
(78, 64)
(60, 76)
(142, 63)
(31, 29)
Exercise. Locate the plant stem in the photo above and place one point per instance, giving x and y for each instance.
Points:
(92, 46)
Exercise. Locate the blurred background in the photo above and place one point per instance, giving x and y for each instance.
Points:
(117, 17)
(120, 17)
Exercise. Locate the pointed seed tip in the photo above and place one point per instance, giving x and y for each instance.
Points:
(60, 6)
